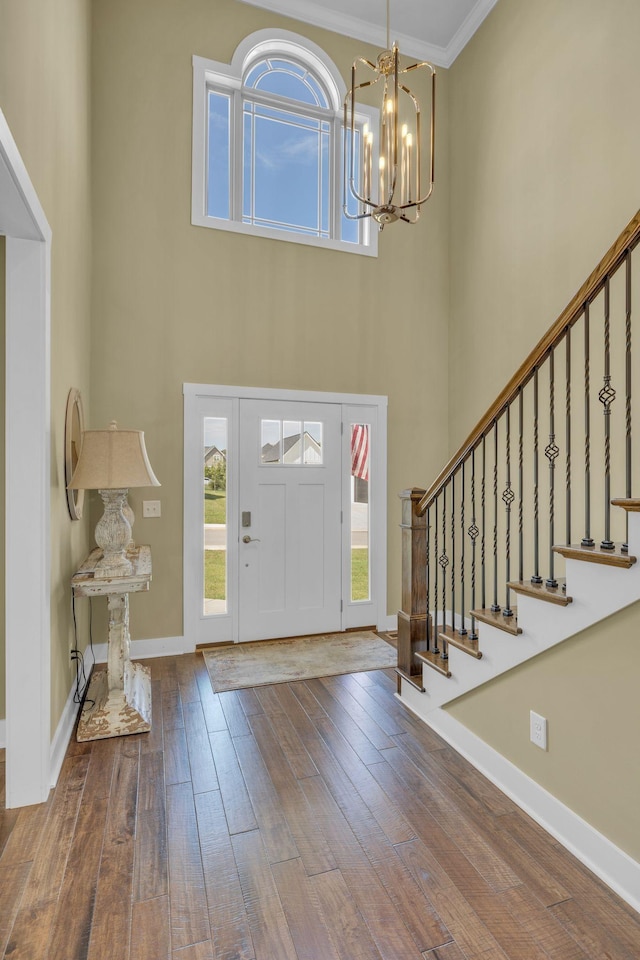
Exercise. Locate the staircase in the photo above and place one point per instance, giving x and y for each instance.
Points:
(518, 544)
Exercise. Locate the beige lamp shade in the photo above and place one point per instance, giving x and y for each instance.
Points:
(113, 460)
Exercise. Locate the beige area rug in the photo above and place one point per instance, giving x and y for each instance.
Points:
(299, 658)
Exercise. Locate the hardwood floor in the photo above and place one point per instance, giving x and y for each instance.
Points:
(313, 820)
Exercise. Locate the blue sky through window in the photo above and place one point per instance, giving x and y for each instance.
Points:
(286, 155)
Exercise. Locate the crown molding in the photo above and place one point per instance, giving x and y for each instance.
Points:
(310, 11)
(468, 27)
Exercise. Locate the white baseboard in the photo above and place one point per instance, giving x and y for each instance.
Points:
(3, 733)
(62, 736)
(611, 864)
(145, 649)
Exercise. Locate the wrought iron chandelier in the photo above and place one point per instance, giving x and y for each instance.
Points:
(386, 177)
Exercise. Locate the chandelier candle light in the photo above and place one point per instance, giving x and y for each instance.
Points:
(111, 461)
(395, 193)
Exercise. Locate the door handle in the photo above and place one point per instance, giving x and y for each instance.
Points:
(248, 539)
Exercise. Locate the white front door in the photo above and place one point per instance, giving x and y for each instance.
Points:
(290, 538)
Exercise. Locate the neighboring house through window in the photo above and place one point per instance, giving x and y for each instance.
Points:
(268, 145)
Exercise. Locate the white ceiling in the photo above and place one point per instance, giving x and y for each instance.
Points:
(434, 30)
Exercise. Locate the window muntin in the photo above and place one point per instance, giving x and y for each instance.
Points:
(276, 84)
(285, 170)
(291, 443)
(287, 79)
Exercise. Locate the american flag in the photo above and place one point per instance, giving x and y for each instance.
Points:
(360, 451)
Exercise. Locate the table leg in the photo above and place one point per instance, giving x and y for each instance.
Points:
(118, 700)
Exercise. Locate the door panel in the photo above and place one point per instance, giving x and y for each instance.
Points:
(290, 482)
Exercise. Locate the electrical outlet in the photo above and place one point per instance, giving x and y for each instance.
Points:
(538, 730)
(151, 508)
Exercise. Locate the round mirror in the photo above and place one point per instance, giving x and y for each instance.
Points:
(73, 427)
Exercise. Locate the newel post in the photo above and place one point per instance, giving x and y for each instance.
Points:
(413, 619)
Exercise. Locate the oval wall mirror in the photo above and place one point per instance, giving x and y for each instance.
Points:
(73, 427)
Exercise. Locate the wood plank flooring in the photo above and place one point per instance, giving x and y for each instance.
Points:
(314, 820)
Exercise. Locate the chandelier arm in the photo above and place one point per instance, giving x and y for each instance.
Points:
(416, 66)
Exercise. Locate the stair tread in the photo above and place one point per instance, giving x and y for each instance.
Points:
(464, 643)
(627, 503)
(613, 558)
(541, 592)
(435, 661)
(508, 624)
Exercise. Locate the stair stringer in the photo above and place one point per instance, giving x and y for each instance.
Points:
(597, 590)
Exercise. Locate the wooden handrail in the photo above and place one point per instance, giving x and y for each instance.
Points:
(629, 237)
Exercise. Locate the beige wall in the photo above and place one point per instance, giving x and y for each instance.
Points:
(44, 78)
(593, 721)
(545, 154)
(175, 303)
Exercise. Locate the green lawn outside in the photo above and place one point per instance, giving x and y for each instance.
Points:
(360, 574)
(215, 565)
(215, 569)
(215, 506)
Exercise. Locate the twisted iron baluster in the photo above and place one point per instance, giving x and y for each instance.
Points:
(444, 561)
(568, 437)
(508, 497)
(495, 606)
(587, 540)
(536, 578)
(428, 572)
(482, 542)
(453, 553)
(473, 533)
(551, 452)
(627, 380)
(436, 649)
(520, 486)
(606, 397)
(463, 630)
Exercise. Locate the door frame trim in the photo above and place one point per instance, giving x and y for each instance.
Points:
(27, 480)
(193, 393)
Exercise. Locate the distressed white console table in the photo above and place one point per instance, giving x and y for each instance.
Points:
(118, 700)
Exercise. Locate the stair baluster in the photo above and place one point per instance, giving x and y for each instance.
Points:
(536, 578)
(462, 629)
(567, 437)
(551, 452)
(606, 397)
(495, 606)
(627, 380)
(520, 485)
(587, 540)
(508, 497)
(444, 562)
(473, 533)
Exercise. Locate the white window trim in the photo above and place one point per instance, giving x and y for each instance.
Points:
(211, 74)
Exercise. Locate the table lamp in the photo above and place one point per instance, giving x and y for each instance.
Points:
(111, 461)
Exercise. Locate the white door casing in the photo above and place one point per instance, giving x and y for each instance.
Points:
(27, 480)
(216, 401)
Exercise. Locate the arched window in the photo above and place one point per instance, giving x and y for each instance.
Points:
(267, 144)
